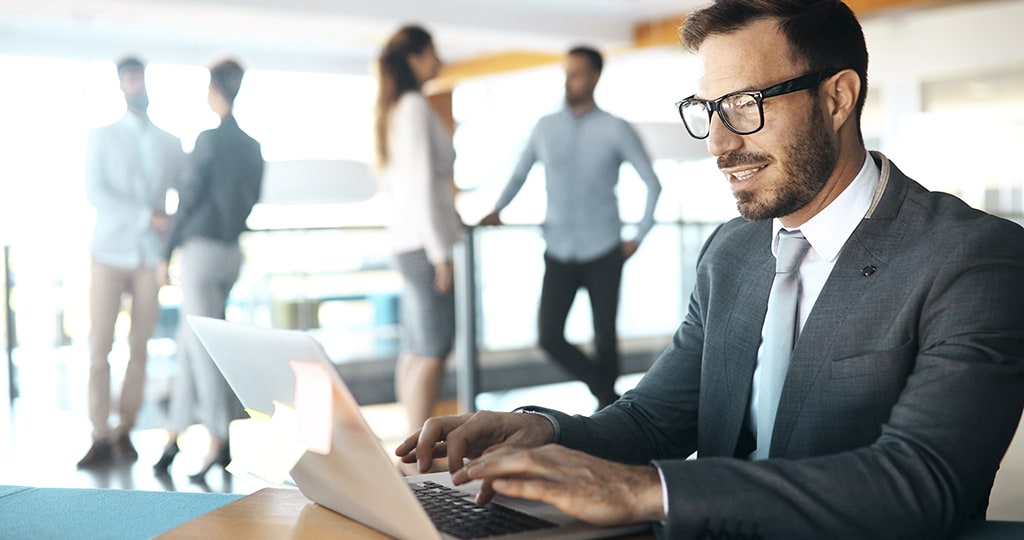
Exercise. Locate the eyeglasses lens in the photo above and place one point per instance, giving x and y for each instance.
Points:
(741, 112)
(695, 116)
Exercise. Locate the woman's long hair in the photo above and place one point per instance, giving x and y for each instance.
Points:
(395, 77)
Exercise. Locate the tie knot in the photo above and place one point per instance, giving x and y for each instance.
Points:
(792, 247)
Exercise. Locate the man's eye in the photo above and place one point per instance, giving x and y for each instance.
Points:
(744, 104)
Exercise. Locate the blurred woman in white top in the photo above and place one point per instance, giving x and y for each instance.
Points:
(415, 160)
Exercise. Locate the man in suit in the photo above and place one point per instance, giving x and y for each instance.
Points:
(905, 384)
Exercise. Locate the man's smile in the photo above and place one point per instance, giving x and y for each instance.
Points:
(741, 177)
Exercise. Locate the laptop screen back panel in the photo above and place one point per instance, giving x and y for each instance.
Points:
(357, 478)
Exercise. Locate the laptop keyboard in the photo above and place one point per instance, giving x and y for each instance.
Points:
(455, 513)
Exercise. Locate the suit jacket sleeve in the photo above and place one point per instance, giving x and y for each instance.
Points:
(659, 415)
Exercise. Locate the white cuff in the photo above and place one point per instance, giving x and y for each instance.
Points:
(664, 491)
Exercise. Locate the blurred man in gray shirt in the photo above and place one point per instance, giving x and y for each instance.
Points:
(582, 148)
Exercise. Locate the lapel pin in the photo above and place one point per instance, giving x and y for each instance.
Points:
(868, 270)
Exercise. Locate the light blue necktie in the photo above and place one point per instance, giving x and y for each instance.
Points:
(780, 333)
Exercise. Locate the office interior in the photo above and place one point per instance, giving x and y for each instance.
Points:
(946, 103)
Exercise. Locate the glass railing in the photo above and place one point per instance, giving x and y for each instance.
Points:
(339, 285)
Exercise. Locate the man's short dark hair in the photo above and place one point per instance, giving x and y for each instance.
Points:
(823, 34)
(591, 54)
(130, 63)
(226, 76)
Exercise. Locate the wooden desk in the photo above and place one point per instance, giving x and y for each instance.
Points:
(276, 513)
(286, 514)
(273, 513)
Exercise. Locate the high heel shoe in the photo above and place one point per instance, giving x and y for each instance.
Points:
(170, 452)
(222, 458)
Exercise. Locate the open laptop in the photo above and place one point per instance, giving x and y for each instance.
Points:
(357, 478)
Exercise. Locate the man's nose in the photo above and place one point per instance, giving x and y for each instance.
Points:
(721, 139)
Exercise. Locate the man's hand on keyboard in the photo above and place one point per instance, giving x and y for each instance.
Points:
(592, 489)
(470, 435)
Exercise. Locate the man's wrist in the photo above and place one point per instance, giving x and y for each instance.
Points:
(555, 428)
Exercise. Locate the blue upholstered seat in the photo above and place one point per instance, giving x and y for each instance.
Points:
(62, 513)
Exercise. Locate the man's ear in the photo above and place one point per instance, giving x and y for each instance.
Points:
(841, 92)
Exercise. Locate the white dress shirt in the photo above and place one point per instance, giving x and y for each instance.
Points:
(130, 166)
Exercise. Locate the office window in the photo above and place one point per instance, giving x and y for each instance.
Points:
(48, 106)
(976, 121)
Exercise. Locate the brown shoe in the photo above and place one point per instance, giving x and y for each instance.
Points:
(99, 455)
(123, 448)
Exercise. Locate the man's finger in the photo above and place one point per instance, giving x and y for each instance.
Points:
(440, 451)
(485, 494)
(502, 461)
(532, 488)
(456, 449)
(408, 444)
(433, 432)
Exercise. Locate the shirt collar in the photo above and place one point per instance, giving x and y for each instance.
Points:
(829, 229)
(134, 121)
(567, 111)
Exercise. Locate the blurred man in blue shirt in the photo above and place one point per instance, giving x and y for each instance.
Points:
(582, 148)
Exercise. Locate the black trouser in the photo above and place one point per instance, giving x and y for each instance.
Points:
(602, 278)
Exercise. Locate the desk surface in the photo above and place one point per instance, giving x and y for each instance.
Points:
(275, 513)
(286, 514)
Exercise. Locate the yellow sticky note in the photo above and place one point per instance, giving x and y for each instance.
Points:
(257, 415)
(314, 405)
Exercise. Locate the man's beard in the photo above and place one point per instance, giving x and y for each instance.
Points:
(810, 160)
(138, 102)
(577, 99)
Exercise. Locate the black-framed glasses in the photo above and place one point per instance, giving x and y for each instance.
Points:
(742, 112)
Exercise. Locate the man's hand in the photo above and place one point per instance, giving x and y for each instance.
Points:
(629, 248)
(469, 435)
(160, 221)
(592, 489)
(492, 219)
(163, 276)
(443, 276)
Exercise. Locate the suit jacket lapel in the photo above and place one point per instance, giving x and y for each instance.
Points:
(742, 337)
(744, 334)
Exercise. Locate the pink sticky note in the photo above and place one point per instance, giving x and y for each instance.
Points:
(314, 405)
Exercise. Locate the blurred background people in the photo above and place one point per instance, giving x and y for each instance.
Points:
(220, 188)
(415, 159)
(582, 148)
(130, 166)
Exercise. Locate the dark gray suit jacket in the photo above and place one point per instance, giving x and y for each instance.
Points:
(905, 386)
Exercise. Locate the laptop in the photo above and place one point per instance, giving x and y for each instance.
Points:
(357, 478)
